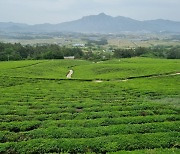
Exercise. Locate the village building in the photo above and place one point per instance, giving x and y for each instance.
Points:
(69, 57)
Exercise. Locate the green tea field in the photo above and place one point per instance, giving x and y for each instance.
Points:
(116, 106)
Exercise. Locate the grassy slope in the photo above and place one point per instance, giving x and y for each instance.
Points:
(116, 69)
(39, 116)
(42, 69)
(113, 69)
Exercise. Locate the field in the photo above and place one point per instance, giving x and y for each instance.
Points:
(115, 106)
(122, 41)
(130, 43)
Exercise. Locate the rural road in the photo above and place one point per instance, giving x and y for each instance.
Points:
(69, 75)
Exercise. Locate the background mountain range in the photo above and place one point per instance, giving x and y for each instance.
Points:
(100, 23)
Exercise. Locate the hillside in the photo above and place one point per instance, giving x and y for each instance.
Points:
(41, 111)
(100, 23)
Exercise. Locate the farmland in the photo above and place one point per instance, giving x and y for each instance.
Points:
(69, 39)
(114, 106)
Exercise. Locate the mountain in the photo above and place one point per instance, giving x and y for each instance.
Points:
(12, 27)
(100, 23)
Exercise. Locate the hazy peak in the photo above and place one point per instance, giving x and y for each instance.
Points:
(102, 14)
(100, 23)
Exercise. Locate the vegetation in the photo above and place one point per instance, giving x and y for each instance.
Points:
(126, 68)
(17, 51)
(104, 70)
(102, 41)
(42, 112)
(172, 53)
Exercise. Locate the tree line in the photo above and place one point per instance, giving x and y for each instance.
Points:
(17, 51)
(158, 52)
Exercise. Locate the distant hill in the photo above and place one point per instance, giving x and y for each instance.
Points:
(100, 23)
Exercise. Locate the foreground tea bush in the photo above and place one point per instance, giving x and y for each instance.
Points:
(101, 144)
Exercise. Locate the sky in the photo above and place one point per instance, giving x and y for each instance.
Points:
(57, 11)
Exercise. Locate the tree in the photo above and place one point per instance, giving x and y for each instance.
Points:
(174, 53)
(123, 53)
(9, 52)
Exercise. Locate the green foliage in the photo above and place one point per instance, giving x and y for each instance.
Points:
(42, 112)
(95, 52)
(174, 53)
(97, 55)
(160, 52)
(102, 41)
(124, 53)
(124, 68)
(18, 52)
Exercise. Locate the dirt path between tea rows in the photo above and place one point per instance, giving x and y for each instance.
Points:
(69, 75)
(136, 77)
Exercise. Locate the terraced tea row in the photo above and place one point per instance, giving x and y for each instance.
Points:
(99, 144)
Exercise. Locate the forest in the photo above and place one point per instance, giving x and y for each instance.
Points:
(17, 51)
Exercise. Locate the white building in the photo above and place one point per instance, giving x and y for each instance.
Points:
(69, 57)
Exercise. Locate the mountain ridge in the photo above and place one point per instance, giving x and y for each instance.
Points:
(100, 23)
